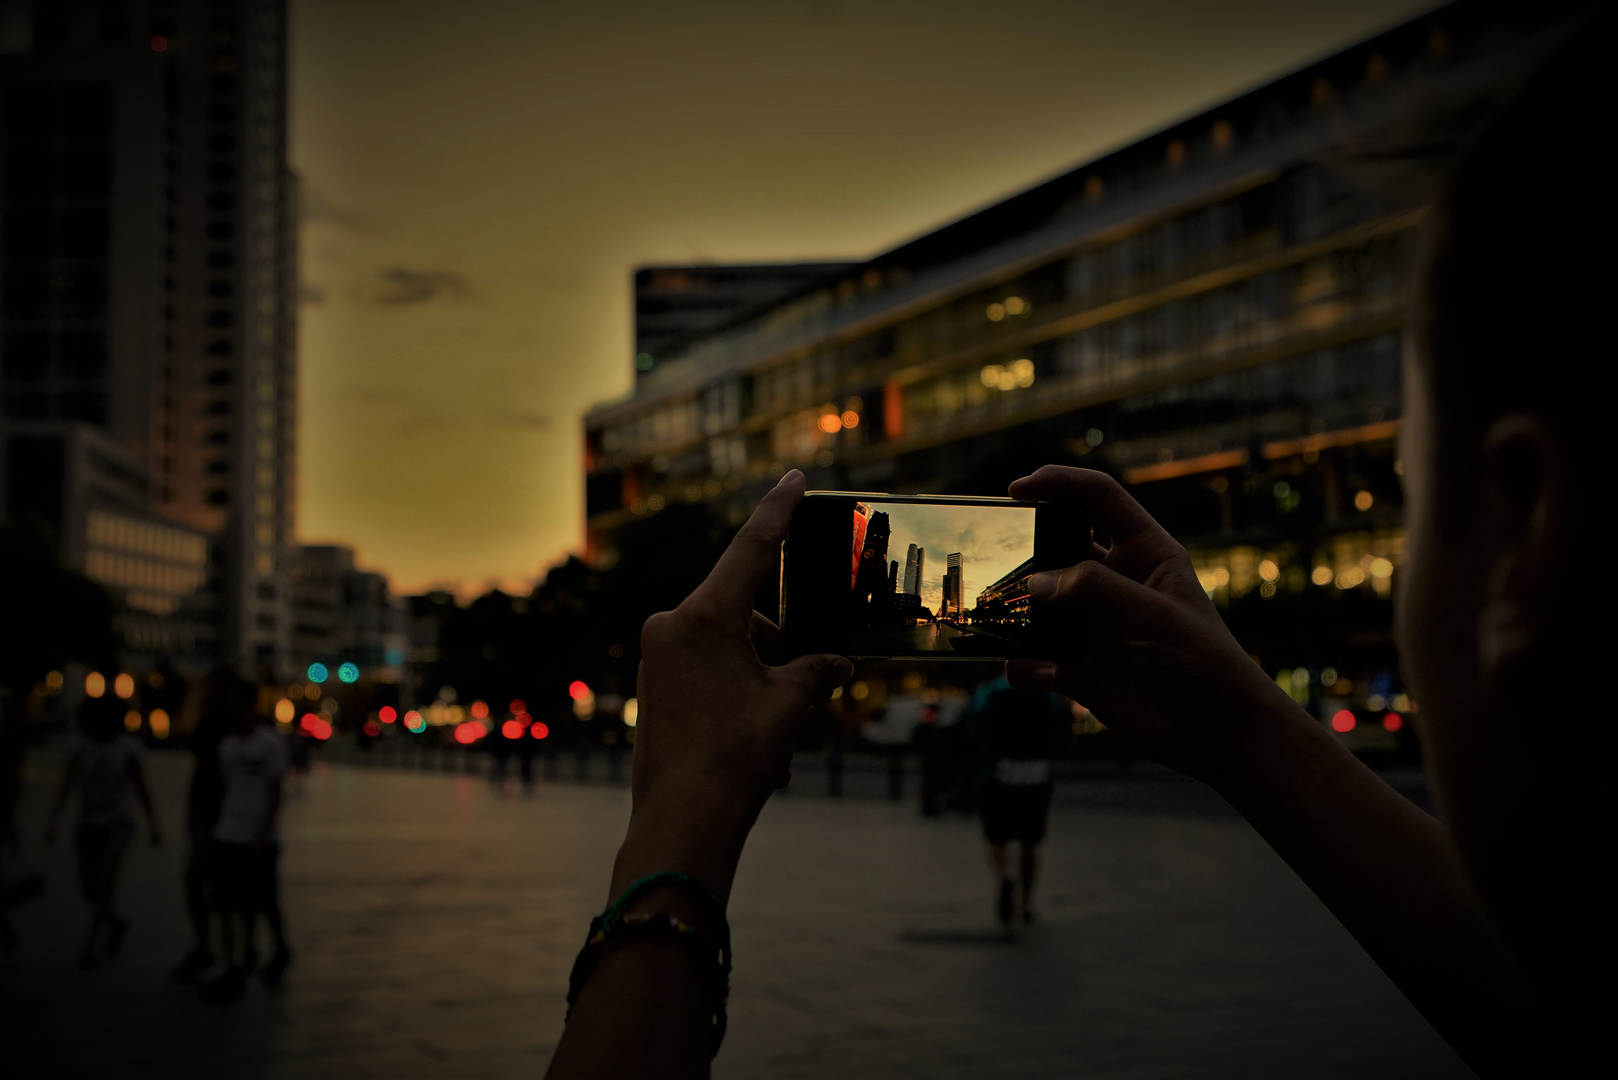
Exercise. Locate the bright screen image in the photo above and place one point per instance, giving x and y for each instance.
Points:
(939, 578)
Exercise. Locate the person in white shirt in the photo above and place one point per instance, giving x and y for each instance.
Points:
(245, 851)
(105, 767)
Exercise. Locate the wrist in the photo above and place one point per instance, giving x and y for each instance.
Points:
(704, 841)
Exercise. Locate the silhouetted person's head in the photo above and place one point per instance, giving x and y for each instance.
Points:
(227, 705)
(101, 718)
(1503, 600)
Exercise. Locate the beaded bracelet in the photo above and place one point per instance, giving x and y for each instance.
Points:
(612, 924)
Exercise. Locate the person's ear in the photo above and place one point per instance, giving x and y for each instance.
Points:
(1525, 486)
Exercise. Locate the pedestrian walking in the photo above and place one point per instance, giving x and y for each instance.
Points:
(105, 768)
(1015, 729)
(226, 697)
(244, 855)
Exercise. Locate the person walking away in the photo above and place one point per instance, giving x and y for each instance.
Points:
(105, 767)
(227, 696)
(245, 852)
(1014, 730)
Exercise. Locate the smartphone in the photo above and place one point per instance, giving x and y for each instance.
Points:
(924, 576)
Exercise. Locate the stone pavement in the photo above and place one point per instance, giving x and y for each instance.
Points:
(435, 916)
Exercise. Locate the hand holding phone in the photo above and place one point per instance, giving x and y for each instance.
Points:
(1151, 657)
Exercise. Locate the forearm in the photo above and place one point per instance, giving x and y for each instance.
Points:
(644, 1010)
(1389, 872)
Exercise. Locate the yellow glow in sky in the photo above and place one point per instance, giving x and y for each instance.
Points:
(479, 178)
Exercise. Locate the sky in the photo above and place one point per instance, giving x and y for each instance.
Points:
(479, 179)
(992, 541)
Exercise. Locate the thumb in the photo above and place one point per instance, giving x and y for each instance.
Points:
(814, 677)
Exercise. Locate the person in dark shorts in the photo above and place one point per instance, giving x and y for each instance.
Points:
(227, 696)
(245, 852)
(1015, 729)
(105, 767)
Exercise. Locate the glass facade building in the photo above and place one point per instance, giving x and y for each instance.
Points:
(1213, 314)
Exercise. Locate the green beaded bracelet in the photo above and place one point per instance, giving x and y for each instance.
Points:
(612, 924)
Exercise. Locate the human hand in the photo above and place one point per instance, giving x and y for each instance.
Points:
(1156, 663)
(719, 714)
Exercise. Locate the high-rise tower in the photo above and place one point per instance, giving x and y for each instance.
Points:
(954, 588)
(150, 271)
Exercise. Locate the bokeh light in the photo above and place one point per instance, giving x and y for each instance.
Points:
(539, 730)
(132, 721)
(512, 729)
(518, 705)
(631, 712)
(414, 722)
(577, 690)
(387, 714)
(348, 673)
(318, 673)
(95, 684)
(124, 685)
(470, 732)
(285, 710)
(1342, 721)
(1393, 722)
(159, 723)
(479, 710)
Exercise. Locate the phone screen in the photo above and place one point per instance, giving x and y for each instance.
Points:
(918, 576)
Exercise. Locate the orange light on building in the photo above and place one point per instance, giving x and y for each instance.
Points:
(851, 419)
(95, 684)
(893, 409)
(124, 685)
(830, 423)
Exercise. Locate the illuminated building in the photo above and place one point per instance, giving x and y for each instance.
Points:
(1213, 314)
(147, 245)
(951, 605)
(1006, 602)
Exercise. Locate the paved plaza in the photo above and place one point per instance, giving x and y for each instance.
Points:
(435, 916)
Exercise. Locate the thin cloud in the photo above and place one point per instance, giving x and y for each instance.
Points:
(523, 421)
(400, 286)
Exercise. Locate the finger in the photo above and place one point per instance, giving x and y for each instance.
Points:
(752, 555)
(766, 639)
(816, 676)
(1112, 509)
(1093, 587)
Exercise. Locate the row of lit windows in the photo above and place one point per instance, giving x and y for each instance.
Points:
(147, 538)
(136, 572)
(1326, 291)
